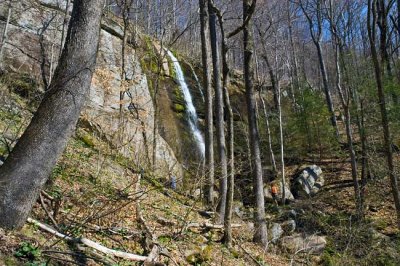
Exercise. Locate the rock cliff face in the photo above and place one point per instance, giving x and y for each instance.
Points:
(32, 47)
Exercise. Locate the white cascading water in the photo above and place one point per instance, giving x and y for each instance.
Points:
(190, 109)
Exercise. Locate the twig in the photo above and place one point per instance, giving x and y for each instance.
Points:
(46, 195)
(248, 253)
(48, 213)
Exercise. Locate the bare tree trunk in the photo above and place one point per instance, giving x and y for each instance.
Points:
(382, 13)
(282, 146)
(316, 31)
(4, 36)
(64, 25)
(219, 106)
(349, 134)
(271, 151)
(260, 234)
(326, 87)
(382, 104)
(345, 100)
(209, 138)
(295, 67)
(227, 239)
(31, 161)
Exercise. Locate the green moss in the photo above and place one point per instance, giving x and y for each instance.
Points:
(122, 160)
(88, 140)
(179, 108)
(23, 85)
(178, 95)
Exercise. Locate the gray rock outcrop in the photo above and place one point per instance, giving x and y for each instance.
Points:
(275, 232)
(268, 196)
(308, 182)
(307, 244)
(132, 135)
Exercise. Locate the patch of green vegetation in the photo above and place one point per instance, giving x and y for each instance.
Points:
(9, 261)
(200, 255)
(384, 260)
(122, 160)
(380, 224)
(308, 130)
(25, 88)
(179, 108)
(28, 251)
(178, 95)
(330, 256)
(164, 239)
(88, 140)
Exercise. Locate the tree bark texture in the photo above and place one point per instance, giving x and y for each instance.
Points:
(207, 82)
(31, 161)
(260, 234)
(219, 115)
(382, 104)
(230, 137)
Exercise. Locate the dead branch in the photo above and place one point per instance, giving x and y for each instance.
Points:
(47, 212)
(210, 226)
(89, 243)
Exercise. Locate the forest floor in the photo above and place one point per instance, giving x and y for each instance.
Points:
(95, 193)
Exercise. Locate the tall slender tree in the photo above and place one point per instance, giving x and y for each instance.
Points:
(344, 95)
(313, 12)
(371, 25)
(207, 82)
(260, 234)
(219, 115)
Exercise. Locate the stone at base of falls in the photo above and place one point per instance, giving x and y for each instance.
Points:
(306, 244)
(308, 182)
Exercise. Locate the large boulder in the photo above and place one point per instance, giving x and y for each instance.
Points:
(289, 226)
(275, 232)
(308, 244)
(268, 196)
(308, 182)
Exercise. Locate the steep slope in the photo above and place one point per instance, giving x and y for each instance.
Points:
(32, 49)
(95, 193)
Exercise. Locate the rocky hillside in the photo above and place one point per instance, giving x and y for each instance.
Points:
(105, 204)
(31, 53)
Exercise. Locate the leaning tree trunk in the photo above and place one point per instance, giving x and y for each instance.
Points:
(260, 234)
(219, 106)
(209, 138)
(31, 161)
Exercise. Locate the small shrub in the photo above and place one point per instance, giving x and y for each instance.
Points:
(28, 251)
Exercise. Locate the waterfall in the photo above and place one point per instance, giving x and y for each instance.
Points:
(190, 109)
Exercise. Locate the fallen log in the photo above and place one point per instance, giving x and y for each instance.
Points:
(89, 243)
(211, 226)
